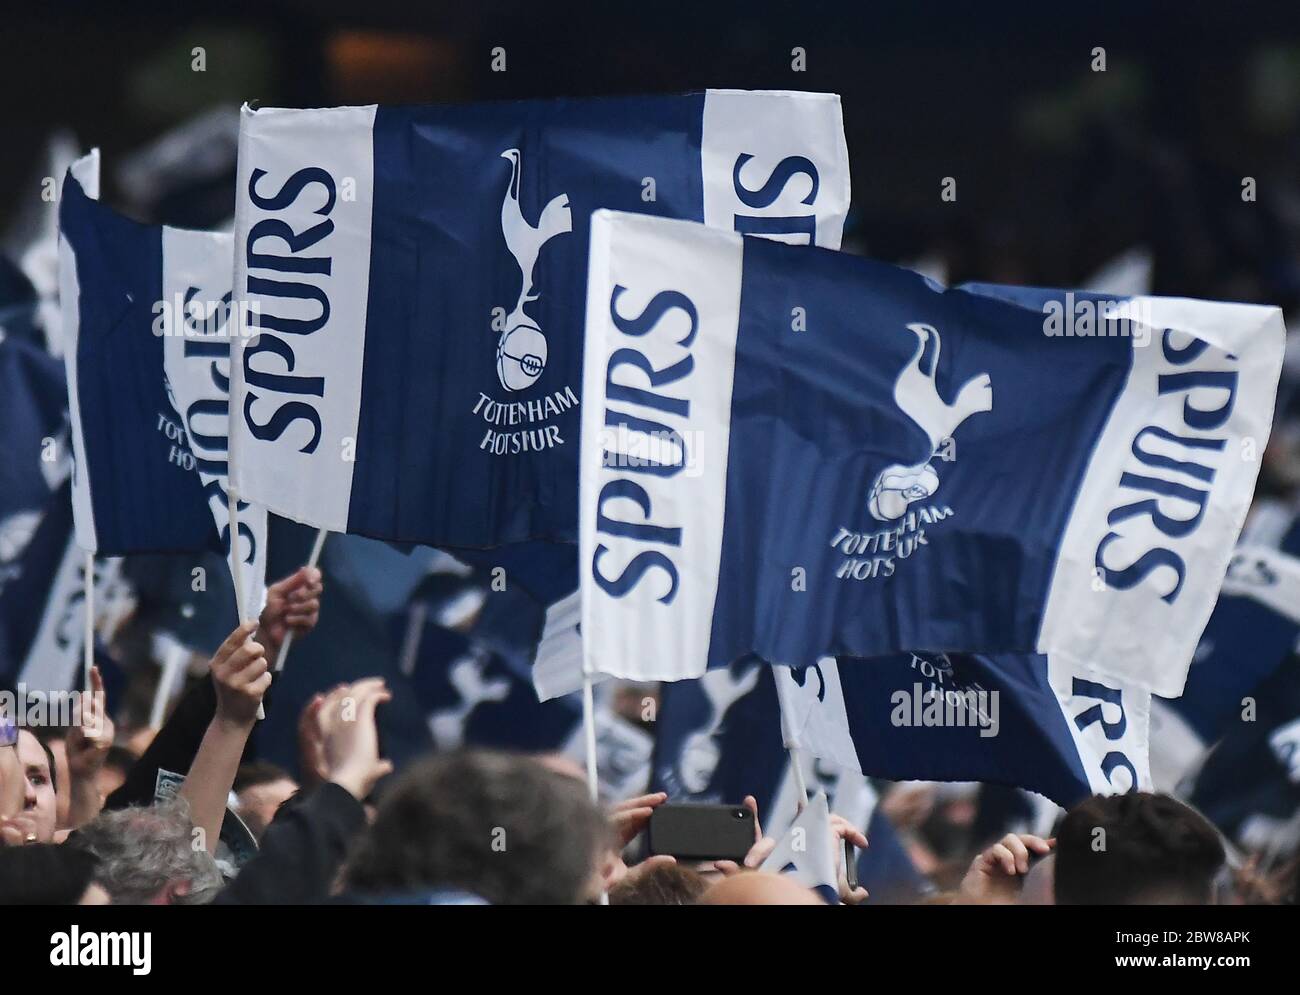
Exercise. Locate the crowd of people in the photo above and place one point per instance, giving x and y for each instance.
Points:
(87, 821)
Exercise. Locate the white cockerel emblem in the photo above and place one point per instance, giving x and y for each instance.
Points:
(468, 676)
(917, 395)
(521, 351)
(700, 752)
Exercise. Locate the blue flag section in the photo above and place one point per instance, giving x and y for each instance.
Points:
(838, 457)
(134, 485)
(1249, 785)
(42, 606)
(1021, 721)
(33, 415)
(1253, 631)
(419, 276)
(147, 328)
(473, 697)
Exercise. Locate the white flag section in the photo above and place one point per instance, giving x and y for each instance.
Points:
(807, 851)
(196, 358)
(832, 457)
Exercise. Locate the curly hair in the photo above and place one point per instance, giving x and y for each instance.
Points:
(141, 850)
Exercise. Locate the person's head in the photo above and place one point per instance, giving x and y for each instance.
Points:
(262, 787)
(666, 884)
(47, 874)
(40, 803)
(759, 888)
(148, 856)
(1135, 849)
(117, 764)
(499, 826)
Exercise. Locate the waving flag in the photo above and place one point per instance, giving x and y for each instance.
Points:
(146, 333)
(835, 456)
(420, 275)
(1253, 631)
(1022, 721)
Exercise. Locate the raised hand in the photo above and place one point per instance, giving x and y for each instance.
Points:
(292, 605)
(242, 676)
(994, 875)
(350, 737)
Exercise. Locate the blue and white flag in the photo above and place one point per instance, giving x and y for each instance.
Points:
(1023, 721)
(419, 276)
(475, 694)
(146, 316)
(474, 698)
(807, 851)
(1253, 631)
(800, 453)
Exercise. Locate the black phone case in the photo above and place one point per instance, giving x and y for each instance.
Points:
(702, 832)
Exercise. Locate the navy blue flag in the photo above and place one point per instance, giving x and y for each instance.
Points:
(419, 281)
(799, 453)
(147, 321)
(1021, 721)
(134, 485)
(33, 413)
(1253, 631)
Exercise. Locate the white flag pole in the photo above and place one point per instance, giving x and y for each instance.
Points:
(311, 562)
(589, 732)
(790, 740)
(88, 650)
(173, 663)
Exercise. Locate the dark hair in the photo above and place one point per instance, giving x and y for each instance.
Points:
(45, 874)
(668, 884)
(256, 772)
(1135, 849)
(499, 826)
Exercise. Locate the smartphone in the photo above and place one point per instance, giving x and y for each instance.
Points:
(702, 832)
(850, 864)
